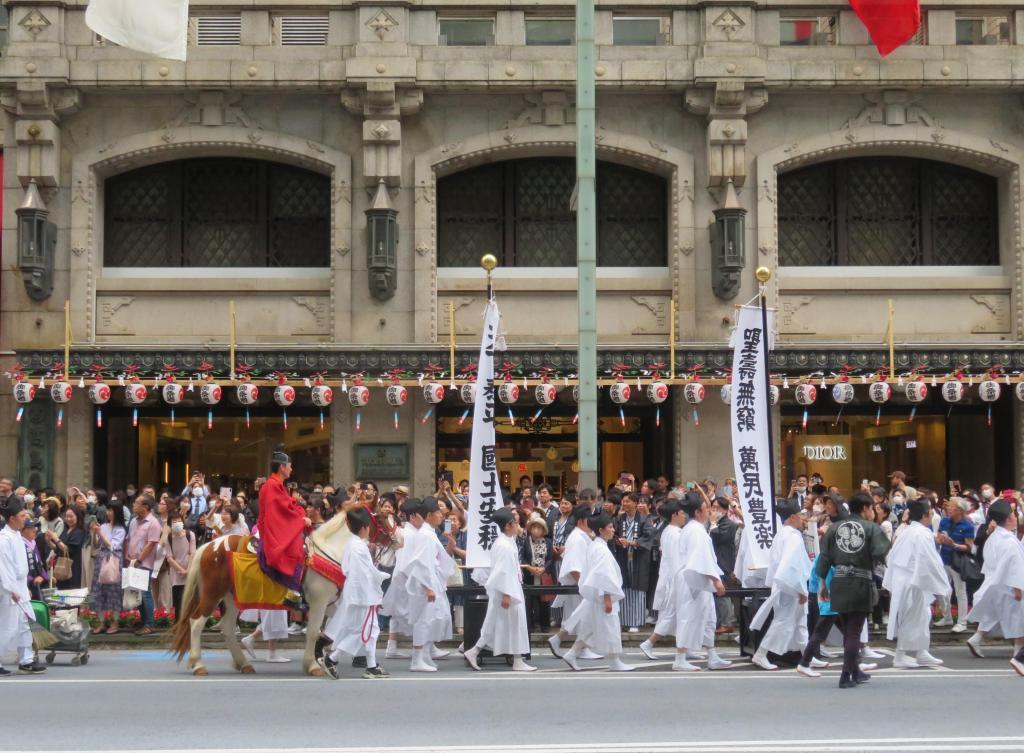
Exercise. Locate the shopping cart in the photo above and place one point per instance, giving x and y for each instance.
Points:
(71, 632)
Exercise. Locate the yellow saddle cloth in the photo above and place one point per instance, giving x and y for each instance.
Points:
(253, 589)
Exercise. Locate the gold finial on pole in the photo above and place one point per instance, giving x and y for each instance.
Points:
(763, 274)
(488, 262)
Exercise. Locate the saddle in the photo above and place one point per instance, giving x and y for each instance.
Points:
(252, 588)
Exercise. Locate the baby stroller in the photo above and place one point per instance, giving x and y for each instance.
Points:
(72, 634)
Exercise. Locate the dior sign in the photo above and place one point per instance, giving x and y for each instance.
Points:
(825, 452)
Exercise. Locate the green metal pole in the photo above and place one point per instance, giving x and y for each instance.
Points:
(586, 241)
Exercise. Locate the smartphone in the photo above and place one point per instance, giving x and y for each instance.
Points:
(447, 526)
(690, 486)
(448, 476)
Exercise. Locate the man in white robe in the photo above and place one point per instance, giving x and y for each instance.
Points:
(664, 598)
(789, 569)
(570, 573)
(15, 631)
(697, 578)
(353, 628)
(596, 620)
(504, 630)
(915, 577)
(999, 603)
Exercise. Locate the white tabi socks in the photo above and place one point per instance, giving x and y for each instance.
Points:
(418, 664)
(392, 651)
(717, 662)
(617, 665)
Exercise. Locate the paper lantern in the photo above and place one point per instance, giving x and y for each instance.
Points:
(358, 395)
(805, 394)
(60, 392)
(24, 392)
(694, 393)
(989, 390)
(99, 393)
(916, 391)
(1019, 391)
(467, 393)
(508, 392)
(545, 394)
(619, 393)
(396, 395)
(880, 392)
(284, 395)
(433, 392)
(657, 392)
(248, 393)
(726, 393)
(322, 395)
(953, 392)
(210, 393)
(135, 394)
(576, 393)
(842, 393)
(774, 391)
(172, 393)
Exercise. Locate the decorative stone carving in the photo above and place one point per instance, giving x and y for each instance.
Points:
(382, 106)
(38, 108)
(789, 324)
(997, 320)
(550, 108)
(213, 108)
(726, 107)
(659, 311)
(108, 312)
(382, 24)
(728, 23)
(34, 22)
(892, 107)
(317, 306)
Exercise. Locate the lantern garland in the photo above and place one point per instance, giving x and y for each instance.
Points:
(172, 392)
(880, 393)
(358, 397)
(321, 395)
(989, 391)
(433, 390)
(396, 394)
(135, 392)
(508, 391)
(620, 392)
(210, 392)
(467, 392)
(247, 392)
(544, 393)
(284, 395)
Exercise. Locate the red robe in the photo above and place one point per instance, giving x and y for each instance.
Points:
(281, 523)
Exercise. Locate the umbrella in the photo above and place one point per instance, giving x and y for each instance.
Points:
(41, 637)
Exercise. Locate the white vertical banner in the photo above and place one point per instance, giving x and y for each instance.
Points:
(484, 484)
(750, 418)
(155, 27)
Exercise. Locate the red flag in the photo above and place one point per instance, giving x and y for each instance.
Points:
(889, 22)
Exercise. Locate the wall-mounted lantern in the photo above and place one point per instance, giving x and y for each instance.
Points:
(727, 246)
(37, 244)
(382, 245)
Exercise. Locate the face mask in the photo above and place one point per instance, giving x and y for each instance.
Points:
(727, 490)
(218, 522)
(29, 498)
(802, 488)
(197, 492)
(91, 499)
(987, 493)
(817, 509)
(897, 499)
(177, 526)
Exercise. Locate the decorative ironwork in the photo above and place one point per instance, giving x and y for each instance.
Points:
(520, 210)
(218, 212)
(887, 212)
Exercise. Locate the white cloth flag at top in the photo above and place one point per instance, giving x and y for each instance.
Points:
(484, 485)
(156, 27)
(750, 419)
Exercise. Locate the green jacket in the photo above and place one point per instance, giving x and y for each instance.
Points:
(853, 546)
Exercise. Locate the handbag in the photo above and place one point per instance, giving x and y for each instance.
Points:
(110, 571)
(546, 579)
(61, 568)
(968, 567)
(131, 599)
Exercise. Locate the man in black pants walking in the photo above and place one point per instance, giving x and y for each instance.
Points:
(854, 546)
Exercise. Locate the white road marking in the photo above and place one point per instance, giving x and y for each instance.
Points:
(738, 746)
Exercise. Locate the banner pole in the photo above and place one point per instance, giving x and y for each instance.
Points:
(763, 275)
(67, 340)
(672, 338)
(451, 337)
(232, 332)
(892, 341)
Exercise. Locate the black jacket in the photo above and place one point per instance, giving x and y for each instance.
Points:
(723, 538)
(636, 569)
(526, 558)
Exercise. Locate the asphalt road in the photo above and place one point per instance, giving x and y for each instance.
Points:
(128, 700)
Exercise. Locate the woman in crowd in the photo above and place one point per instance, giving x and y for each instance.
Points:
(51, 526)
(536, 556)
(70, 546)
(108, 544)
(180, 548)
(455, 545)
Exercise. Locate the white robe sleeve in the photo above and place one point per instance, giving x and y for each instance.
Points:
(505, 578)
(603, 575)
(362, 580)
(699, 565)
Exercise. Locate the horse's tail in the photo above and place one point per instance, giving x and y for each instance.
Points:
(181, 637)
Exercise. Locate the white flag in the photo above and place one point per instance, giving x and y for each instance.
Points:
(484, 484)
(751, 423)
(156, 27)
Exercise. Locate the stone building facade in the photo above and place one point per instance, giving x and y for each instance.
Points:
(362, 95)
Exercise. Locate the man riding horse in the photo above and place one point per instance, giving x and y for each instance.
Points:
(282, 524)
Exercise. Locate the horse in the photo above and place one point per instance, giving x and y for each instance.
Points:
(209, 582)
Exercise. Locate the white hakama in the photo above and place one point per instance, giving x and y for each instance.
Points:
(914, 577)
(693, 588)
(504, 631)
(664, 595)
(428, 567)
(353, 628)
(995, 609)
(15, 632)
(595, 627)
(789, 569)
(395, 604)
(574, 559)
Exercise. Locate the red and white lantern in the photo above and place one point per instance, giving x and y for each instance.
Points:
(953, 391)
(775, 393)
(694, 393)
(657, 392)
(210, 393)
(467, 393)
(135, 393)
(24, 392)
(880, 392)
(60, 392)
(842, 393)
(726, 393)
(433, 392)
(248, 393)
(916, 391)
(989, 391)
(173, 393)
(1019, 391)
(99, 393)
(397, 395)
(508, 392)
(284, 395)
(545, 394)
(805, 394)
(358, 395)
(620, 393)
(322, 395)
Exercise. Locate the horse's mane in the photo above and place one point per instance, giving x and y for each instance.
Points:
(332, 537)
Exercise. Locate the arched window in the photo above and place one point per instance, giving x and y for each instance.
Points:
(520, 211)
(883, 211)
(218, 212)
